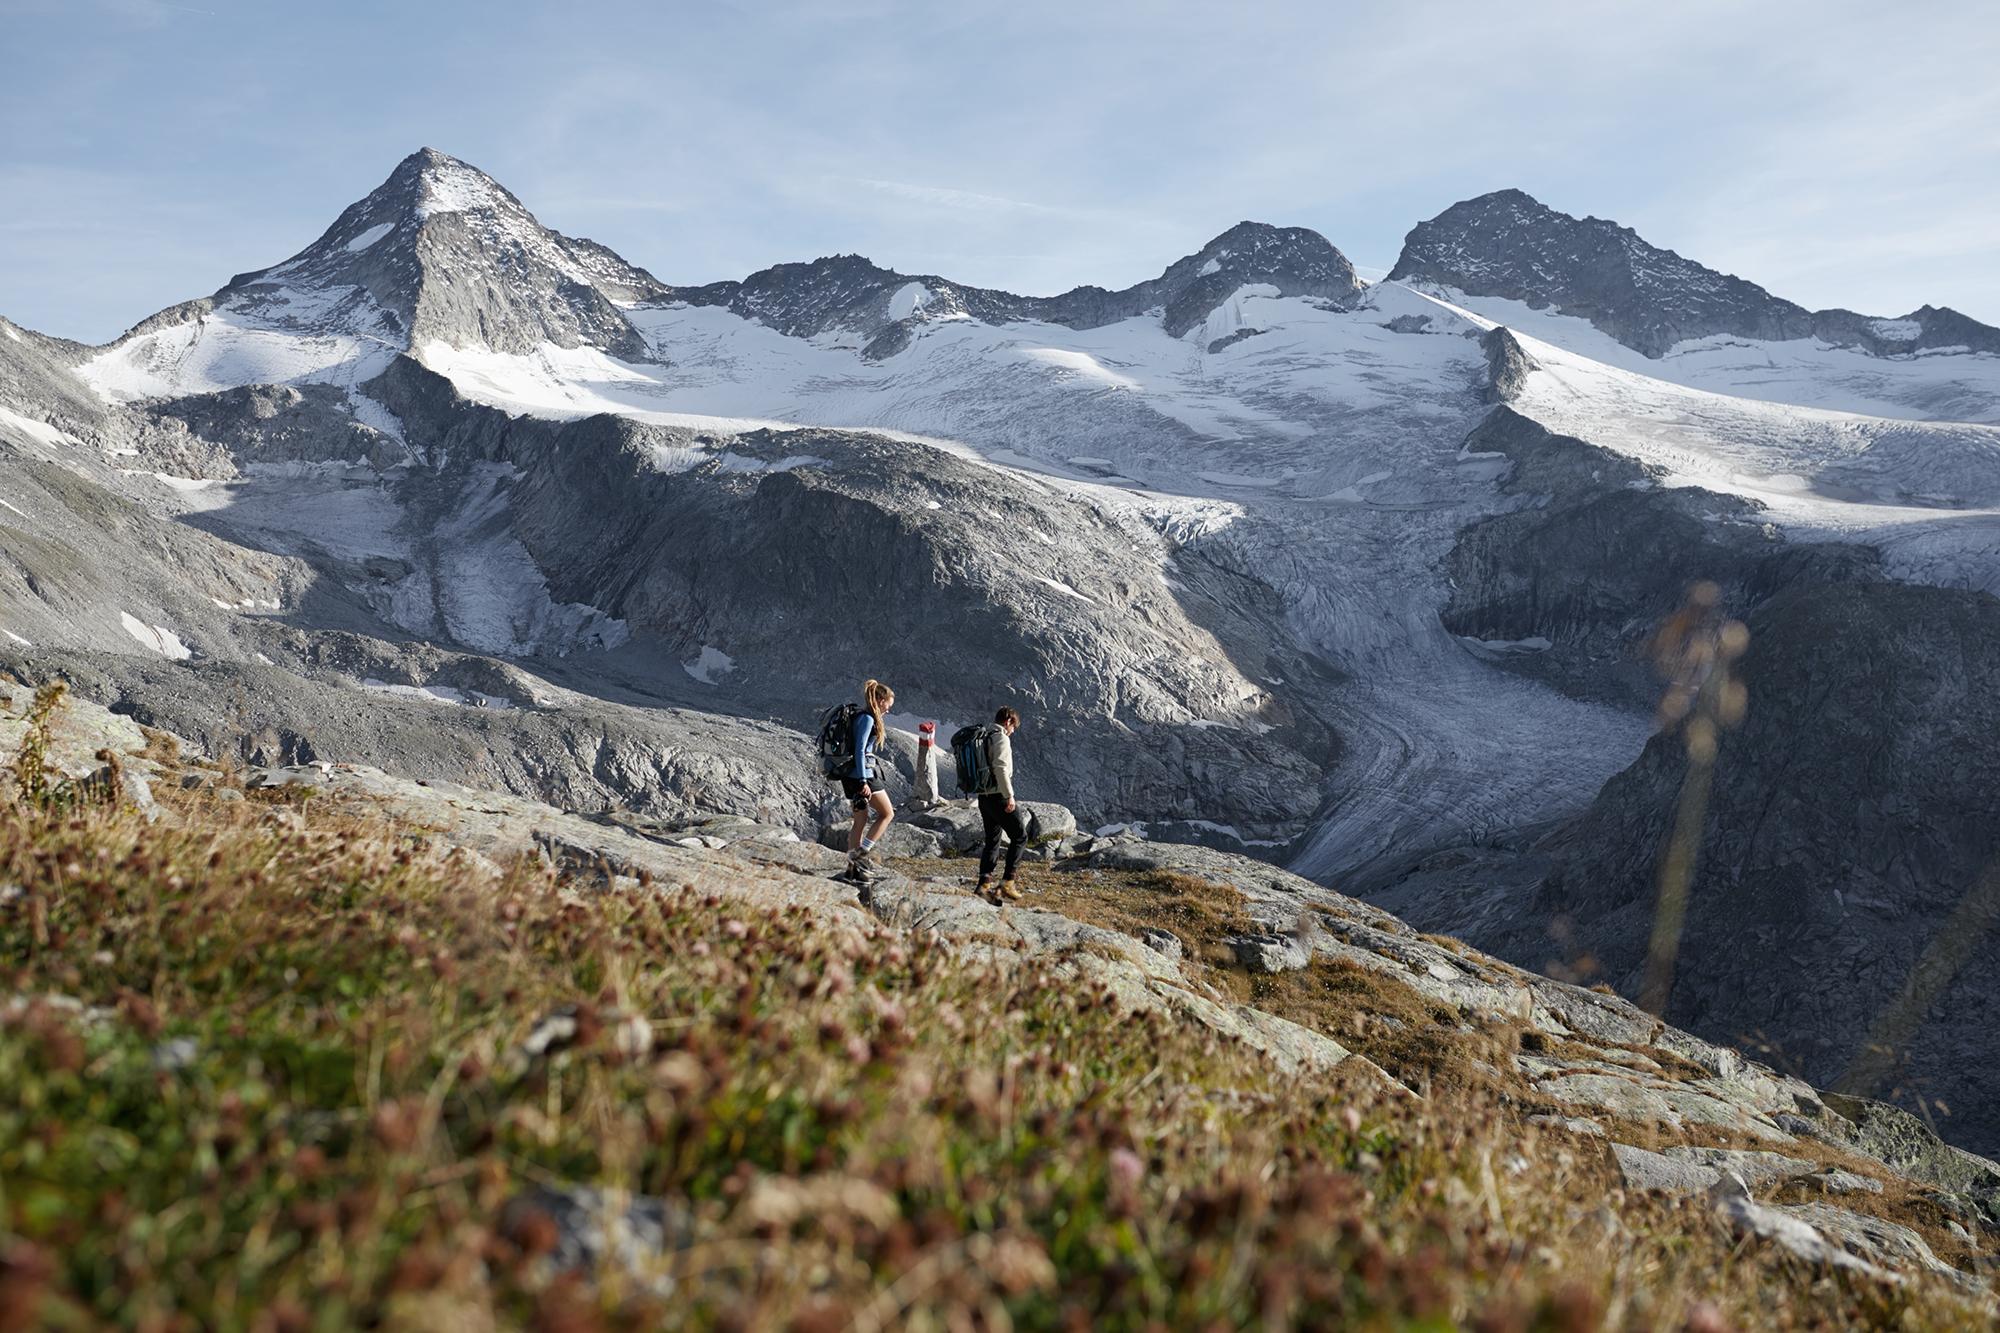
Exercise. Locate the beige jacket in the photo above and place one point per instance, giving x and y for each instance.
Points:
(1000, 753)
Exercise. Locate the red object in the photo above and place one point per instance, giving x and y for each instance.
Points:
(926, 734)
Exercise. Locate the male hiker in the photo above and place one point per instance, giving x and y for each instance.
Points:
(997, 808)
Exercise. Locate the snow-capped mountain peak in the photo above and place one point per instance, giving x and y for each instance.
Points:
(853, 294)
(455, 257)
(439, 254)
(1509, 246)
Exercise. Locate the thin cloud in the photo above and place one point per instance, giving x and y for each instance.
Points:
(943, 197)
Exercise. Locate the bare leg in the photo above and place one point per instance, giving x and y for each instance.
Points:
(885, 814)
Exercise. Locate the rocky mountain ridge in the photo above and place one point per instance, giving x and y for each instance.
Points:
(1507, 244)
(850, 294)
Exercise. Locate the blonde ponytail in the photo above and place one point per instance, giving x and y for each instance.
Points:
(876, 696)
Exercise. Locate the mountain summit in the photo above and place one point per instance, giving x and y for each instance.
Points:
(446, 253)
(1508, 244)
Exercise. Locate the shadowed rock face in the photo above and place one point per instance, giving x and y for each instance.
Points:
(815, 559)
(1595, 556)
(1509, 245)
(1849, 880)
(1848, 886)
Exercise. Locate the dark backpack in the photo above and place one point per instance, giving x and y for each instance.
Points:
(836, 741)
(971, 754)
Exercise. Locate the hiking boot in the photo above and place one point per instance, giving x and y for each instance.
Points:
(861, 869)
(983, 891)
(1008, 891)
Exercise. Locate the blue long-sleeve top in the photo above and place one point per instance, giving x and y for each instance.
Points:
(864, 753)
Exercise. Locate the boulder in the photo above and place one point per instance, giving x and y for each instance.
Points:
(1757, 1169)
(1895, 1137)
(1056, 820)
(960, 831)
(956, 824)
(1644, 1170)
(1686, 1170)
(1793, 1234)
(1271, 953)
(901, 840)
(1877, 1241)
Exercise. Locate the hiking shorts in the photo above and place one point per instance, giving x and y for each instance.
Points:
(858, 792)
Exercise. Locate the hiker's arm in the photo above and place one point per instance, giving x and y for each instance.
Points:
(1003, 766)
(864, 764)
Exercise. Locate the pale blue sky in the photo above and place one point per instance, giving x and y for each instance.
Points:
(1839, 153)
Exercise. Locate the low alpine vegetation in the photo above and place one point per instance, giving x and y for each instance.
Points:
(281, 1072)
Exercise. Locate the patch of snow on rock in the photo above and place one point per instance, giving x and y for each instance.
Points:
(438, 694)
(1238, 479)
(369, 237)
(39, 431)
(454, 188)
(372, 414)
(157, 637)
(1534, 644)
(1080, 365)
(1064, 588)
(713, 662)
(908, 300)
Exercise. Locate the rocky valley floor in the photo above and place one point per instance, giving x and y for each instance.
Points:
(315, 1046)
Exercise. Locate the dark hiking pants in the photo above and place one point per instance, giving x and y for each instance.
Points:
(994, 815)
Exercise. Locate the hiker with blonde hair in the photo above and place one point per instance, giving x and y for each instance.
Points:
(851, 744)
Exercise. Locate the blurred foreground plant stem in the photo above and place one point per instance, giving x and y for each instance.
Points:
(1697, 651)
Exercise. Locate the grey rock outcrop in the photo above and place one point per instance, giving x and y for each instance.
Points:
(1693, 1171)
(1508, 365)
(1509, 245)
(901, 840)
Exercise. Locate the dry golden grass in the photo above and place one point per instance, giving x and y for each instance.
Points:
(865, 1130)
(1428, 1045)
